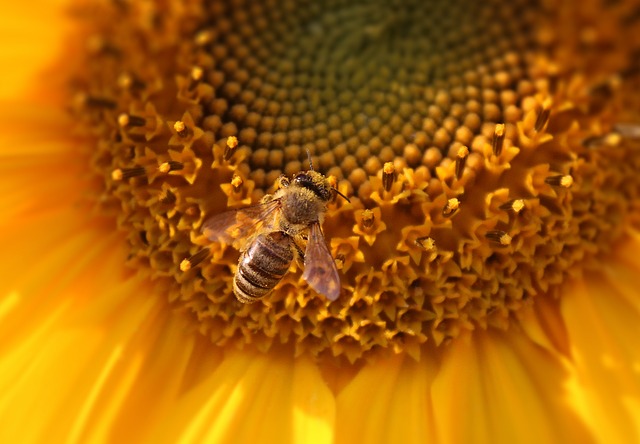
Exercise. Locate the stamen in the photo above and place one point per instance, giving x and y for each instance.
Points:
(451, 207)
(614, 139)
(498, 139)
(426, 243)
(367, 218)
(543, 117)
(515, 205)
(500, 237)
(172, 165)
(125, 120)
(232, 144)
(127, 173)
(197, 73)
(564, 181)
(593, 141)
(204, 37)
(236, 183)
(388, 175)
(127, 81)
(98, 45)
(96, 102)
(461, 160)
(181, 128)
(611, 139)
(193, 261)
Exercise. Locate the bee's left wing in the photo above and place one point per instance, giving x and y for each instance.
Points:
(235, 227)
(320, 270)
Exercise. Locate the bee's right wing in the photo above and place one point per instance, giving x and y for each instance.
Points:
(234, 227)
(320, 270)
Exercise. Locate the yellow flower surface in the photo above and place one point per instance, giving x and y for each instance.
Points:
(490, 287)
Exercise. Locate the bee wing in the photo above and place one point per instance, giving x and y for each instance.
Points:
(234, 227)
(320, 270)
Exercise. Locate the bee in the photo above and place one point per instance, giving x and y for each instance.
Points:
(271, 234)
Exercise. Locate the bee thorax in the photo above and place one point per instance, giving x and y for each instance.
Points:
(302, 207)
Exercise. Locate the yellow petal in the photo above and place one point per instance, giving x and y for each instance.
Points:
(61, 346)
(602, 315)
(32, 33)
(387, 401)
(502, 388)
(253, 397)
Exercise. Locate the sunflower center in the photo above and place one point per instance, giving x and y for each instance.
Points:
(481, 170)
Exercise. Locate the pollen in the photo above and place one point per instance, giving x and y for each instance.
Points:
(451, 207)
(484, 151)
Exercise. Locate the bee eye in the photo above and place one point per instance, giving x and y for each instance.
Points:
(302, 178)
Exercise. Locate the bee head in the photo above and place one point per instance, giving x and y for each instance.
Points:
(314, 182)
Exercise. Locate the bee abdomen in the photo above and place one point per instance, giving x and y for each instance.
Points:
(262, 266)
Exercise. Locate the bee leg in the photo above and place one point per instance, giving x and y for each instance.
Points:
(283, 181)
(266, 198)
(299, 253)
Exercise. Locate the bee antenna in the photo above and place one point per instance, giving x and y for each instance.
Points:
(309, 157)
(345, 197)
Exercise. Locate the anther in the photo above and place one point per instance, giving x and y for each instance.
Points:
(388, 175)
(193, 261)
(97, 102)
(126, 173)
(593, 141)
(367, 218)
(451, 207)
(611, 139)
(232, 144)
(461, 160)
(204, 37)
(98, 45)
(426, 243)
(172, 165)
(197, 73)
(615, 139)
(125, 120)
(499, 237)
(515, 205)
(498, 139)
(543, 117)
(127, 81)
(181, 128)
(236, 183)
(564, 181)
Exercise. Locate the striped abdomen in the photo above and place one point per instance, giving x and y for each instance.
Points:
(262, 265)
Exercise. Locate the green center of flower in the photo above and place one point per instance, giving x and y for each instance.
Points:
(479, 173)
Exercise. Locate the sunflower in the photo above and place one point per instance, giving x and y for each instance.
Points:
(487, 252)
